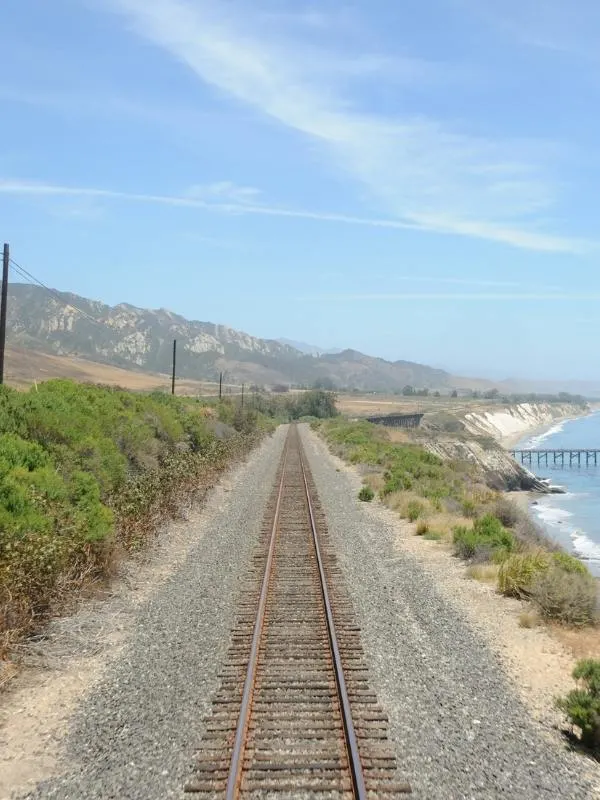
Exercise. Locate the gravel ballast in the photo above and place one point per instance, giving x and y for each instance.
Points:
(135, 736)
(459, 729)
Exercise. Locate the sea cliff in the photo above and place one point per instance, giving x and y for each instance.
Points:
(508, 424)
(482, 437)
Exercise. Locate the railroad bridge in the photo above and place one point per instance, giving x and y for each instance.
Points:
(398, 420)
(569, 456)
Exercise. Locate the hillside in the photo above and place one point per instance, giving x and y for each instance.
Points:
(141, 339)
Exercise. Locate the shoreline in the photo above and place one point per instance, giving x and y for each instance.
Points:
(527, 501)
(508, 442)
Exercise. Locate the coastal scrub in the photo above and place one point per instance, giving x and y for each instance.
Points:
(87, 472)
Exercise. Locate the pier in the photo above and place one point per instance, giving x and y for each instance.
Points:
(562, 457)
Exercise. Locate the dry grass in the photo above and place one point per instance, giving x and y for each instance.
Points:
(24, 368)
(355, 405)
(529, 619)
(444, 523)
(400, 501)
(582, 642)
(398, 436)
(486, 573)
(375, 481)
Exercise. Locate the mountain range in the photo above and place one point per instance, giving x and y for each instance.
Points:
(134, 338)
(63, 323)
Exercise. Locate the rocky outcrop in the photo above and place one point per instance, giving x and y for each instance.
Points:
(501, 471)
(480, 436)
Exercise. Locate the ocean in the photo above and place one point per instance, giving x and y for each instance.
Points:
(572, 519)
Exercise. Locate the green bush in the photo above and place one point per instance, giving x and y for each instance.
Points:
(404, 466)
(487, 538)
(568, 597)
(569, 563)
(519, 571)
(469, 508)
(366, 494)
(414, 510)
(83, 466)
(582, 705)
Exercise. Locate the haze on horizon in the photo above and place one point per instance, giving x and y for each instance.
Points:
(414, 181)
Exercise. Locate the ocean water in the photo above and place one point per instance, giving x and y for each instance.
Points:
(572, 519)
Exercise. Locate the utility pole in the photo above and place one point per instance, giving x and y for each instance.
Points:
(174, 363)
(242, 396)
(220, 385)
(3, 305)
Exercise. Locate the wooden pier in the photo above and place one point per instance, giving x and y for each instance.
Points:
(563, 457)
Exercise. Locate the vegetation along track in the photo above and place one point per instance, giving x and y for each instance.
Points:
(294, 715)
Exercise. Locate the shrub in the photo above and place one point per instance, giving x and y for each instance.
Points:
(422, 528)
(486, 539)
(465, 541)
(434, 536)
(519, 571)
(569, 563)
(366, 494)
(84, 469)
(582, 705)
(568, 597)
(414, 510)
(469, 508)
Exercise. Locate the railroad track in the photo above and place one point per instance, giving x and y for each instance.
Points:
(294, 716)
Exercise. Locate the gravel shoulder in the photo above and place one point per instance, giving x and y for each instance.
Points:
(113, 700)
(468, 693)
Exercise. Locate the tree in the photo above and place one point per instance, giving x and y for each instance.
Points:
(408, 391)
(454, 393)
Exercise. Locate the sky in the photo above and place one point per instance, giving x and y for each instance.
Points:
(415, 180)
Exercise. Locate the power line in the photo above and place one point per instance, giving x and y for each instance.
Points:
(23, 273)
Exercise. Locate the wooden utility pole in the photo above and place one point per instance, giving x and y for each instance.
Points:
(174, 363)
(242, 396)
(220, 385)
(3, 308)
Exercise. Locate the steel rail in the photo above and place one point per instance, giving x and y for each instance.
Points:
(239, 745)
(354, 762)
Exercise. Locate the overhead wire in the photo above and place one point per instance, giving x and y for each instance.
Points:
(24, 273)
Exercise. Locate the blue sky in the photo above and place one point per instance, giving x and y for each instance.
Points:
(414, 180)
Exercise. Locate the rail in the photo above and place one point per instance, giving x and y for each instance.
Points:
(294, 715)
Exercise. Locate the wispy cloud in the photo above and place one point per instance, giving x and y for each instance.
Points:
(244, 205)
(32, 189)
(426, 176)
(224, 191)
(532, 241)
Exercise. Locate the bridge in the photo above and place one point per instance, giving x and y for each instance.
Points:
(398, 420)
(568, 456)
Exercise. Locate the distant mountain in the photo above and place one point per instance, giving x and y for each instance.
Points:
(137, 338)
(310, 349)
